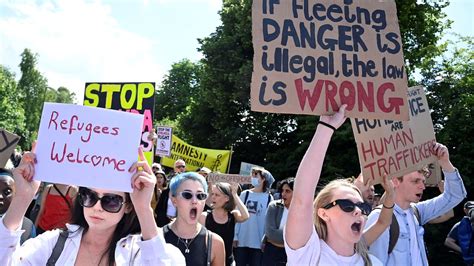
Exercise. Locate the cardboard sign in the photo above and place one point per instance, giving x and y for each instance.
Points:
(8, 142)
(87, 146)
(196, 157)
(246, 168)
(396, 147)
(163, 141)
(434, 176)
(312, 56)
(229, 178)
(134, 97)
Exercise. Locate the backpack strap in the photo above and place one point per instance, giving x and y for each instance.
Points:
(209, 248)
(416, 212)
(269, 199)
(58, 248)
(246, 197)
(394, 231)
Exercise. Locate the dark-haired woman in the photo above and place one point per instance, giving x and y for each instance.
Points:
(227, 209)
(275, 220)
(104, 228)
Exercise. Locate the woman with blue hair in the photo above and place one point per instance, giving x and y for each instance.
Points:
(188, 192)
(248, 235)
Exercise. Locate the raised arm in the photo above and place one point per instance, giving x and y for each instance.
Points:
(241, 213)
(299, 225)
(25, 190)
(143, 184)
(385, 218)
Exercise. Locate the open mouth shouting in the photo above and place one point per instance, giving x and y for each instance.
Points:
(357, 227)
(193, 213)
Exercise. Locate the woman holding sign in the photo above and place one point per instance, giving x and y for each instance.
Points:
(104, 229)
(339, 212)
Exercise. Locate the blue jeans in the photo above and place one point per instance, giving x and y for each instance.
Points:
(247, 256)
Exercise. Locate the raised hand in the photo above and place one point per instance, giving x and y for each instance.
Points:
(387, 185)
(143, 183)
(337, 119)
(25, 186)
(442, 153)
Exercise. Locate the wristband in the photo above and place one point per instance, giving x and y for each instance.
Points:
(388, 207)
(327, 125)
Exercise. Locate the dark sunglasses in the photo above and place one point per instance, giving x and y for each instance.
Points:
(188, 195)
(181, 166)
(349, 206)
(110, 202)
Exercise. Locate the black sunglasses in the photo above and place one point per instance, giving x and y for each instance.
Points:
(181, 166)
(188, 195)
(349, 206)
(110, 202)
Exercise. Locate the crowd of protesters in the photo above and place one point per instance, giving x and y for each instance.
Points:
(180, 218)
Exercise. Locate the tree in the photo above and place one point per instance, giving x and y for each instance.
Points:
(177, 90)
(450, 86)
(12, 117)
(32, 89)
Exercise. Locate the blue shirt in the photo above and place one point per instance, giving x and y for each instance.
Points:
(454, 193)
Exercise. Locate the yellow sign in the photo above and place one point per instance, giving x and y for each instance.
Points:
(196, 157)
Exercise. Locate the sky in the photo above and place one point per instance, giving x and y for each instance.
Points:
(82, 41)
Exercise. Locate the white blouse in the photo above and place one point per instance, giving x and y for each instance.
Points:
(130, 250)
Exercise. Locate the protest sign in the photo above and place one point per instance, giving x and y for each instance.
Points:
(8, 142)
(87, 146)
(312, 56)
(163, 141)
(434, 175)
(246, 168)
(396, 147)
(196, 157)
(134, 97)
(229, 178)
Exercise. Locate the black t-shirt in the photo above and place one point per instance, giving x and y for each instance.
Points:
(194, 250)
(226, 231)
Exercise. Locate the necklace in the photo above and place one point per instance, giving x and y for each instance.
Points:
(186, 243)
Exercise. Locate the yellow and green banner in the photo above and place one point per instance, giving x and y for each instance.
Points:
(196, 157)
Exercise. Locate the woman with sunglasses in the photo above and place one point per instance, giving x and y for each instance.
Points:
(104, 228)
(339, 212)
(227, 210)
(199, 246)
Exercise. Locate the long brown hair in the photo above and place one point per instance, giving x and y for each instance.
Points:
(324, 197)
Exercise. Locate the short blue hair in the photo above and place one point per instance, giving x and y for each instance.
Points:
(179, 179)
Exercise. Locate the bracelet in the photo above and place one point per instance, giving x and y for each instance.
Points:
(326, 124)
(388, 207)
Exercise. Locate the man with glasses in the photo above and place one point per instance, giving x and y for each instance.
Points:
(179, 166)
(411, 214)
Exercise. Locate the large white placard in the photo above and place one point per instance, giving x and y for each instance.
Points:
(87, 146)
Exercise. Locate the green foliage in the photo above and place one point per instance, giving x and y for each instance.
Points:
(12, 117)
(422, 26)
(177, 90)
(32, 89)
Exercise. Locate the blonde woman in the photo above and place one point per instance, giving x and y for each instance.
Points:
(339, 211)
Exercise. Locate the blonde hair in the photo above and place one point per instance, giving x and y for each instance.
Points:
(322, 199)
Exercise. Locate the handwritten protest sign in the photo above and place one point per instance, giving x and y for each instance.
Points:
(312, 56)
(229, 178)
(134, 97)
(196, 157)
(396, 147)
(163, 141)
(87, 146)
(8, 142)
